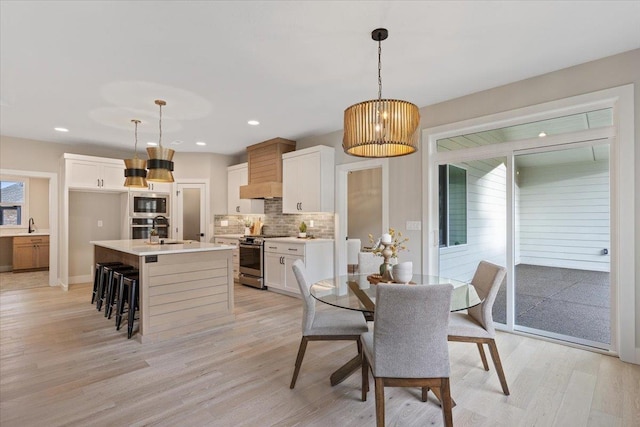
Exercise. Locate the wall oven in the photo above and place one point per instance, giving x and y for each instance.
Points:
(141, 227)
(148, 205)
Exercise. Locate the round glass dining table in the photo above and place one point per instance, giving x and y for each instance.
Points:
(356, 292)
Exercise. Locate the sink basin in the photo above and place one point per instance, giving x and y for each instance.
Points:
(174, 242)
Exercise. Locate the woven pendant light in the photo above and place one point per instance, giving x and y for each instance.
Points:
(381, 127)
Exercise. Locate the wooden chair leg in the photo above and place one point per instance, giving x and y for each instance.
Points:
(425, 392)
(301, 350)
(482, 356)
(365, 377)
(446, 402)
(379, 390)
(493, 348)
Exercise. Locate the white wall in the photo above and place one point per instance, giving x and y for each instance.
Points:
(486, 221)
(564, 215)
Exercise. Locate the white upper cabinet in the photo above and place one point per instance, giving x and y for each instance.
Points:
(94, 173)
(308, 180)
(238, 176)
(157, 187)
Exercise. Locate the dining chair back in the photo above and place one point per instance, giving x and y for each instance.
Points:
(408, 346)
(477, 324)
(326, 325)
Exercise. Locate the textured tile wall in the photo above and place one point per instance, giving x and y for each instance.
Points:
(275, 222)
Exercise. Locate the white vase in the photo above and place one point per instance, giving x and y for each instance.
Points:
(403, 272)
(247, 231)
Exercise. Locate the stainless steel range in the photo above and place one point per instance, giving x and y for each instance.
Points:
(252, 260)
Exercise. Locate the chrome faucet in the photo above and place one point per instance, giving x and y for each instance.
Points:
(32, 225)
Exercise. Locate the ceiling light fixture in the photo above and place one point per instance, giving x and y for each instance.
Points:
(160, 162)
(201, 143)
(542, 134)
(152, 144)
(61, 129)
(253, 122)
(381, 127)
(135, 172)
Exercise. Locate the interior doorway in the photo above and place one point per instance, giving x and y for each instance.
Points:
(190, 221)
(355, 205)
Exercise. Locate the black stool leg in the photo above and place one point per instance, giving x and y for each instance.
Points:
(133, 303)
(112, 293)
(120, 304)
(96, 279)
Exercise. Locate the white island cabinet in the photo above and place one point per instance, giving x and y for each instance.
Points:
(308, 180)
(280, 254)
(184, 288)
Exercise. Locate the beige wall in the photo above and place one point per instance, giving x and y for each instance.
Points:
(85, 210)
(39, 202)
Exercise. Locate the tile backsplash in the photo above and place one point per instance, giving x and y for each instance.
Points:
(275, 222)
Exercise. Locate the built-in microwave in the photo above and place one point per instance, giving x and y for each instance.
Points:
(148, 205)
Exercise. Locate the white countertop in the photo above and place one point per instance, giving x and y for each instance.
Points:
(23, 233)
(297, 240)
(229, 236)
(142, 247)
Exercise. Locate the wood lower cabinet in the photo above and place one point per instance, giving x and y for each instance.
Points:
(30, 252)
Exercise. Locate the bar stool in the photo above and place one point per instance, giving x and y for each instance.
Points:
(128, 290)
(98, 276)
(105, 280)
(112, 290)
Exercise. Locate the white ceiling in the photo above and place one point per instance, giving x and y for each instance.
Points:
(294, 66)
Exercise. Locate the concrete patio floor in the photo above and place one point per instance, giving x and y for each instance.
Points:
(560, 300)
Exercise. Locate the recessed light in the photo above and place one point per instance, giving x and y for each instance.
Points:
(62, 129)
(201, 143)
(176, 142)
(542, 134)
(152, 144)
(253, 122)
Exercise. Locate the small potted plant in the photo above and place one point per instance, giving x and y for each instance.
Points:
(153, 236)
(303, 230)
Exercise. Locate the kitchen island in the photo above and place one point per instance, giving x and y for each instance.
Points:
(185, 287)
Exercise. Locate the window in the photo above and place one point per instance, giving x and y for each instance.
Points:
(452, 187)
(13, 196)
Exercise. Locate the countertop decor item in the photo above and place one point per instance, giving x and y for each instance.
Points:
(135, 173)
(381, 127)
(160, 163)
(388, 246)
(303, 230)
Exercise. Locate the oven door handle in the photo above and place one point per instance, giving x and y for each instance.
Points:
(249, 246)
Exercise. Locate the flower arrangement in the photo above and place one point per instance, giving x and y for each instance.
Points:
(246, 221)
(393, 237)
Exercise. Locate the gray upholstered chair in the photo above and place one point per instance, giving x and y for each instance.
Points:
(331, 325)
(477, 324)
(408, 345)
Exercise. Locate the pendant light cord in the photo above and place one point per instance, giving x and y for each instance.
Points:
(135, 147)
(379, 69)
(160, 126)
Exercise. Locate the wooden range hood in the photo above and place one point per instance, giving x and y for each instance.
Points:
(265, 169)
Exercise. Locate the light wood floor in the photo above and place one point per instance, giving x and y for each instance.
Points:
(63, 363)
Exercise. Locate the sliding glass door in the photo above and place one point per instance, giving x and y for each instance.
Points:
(562, 262)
